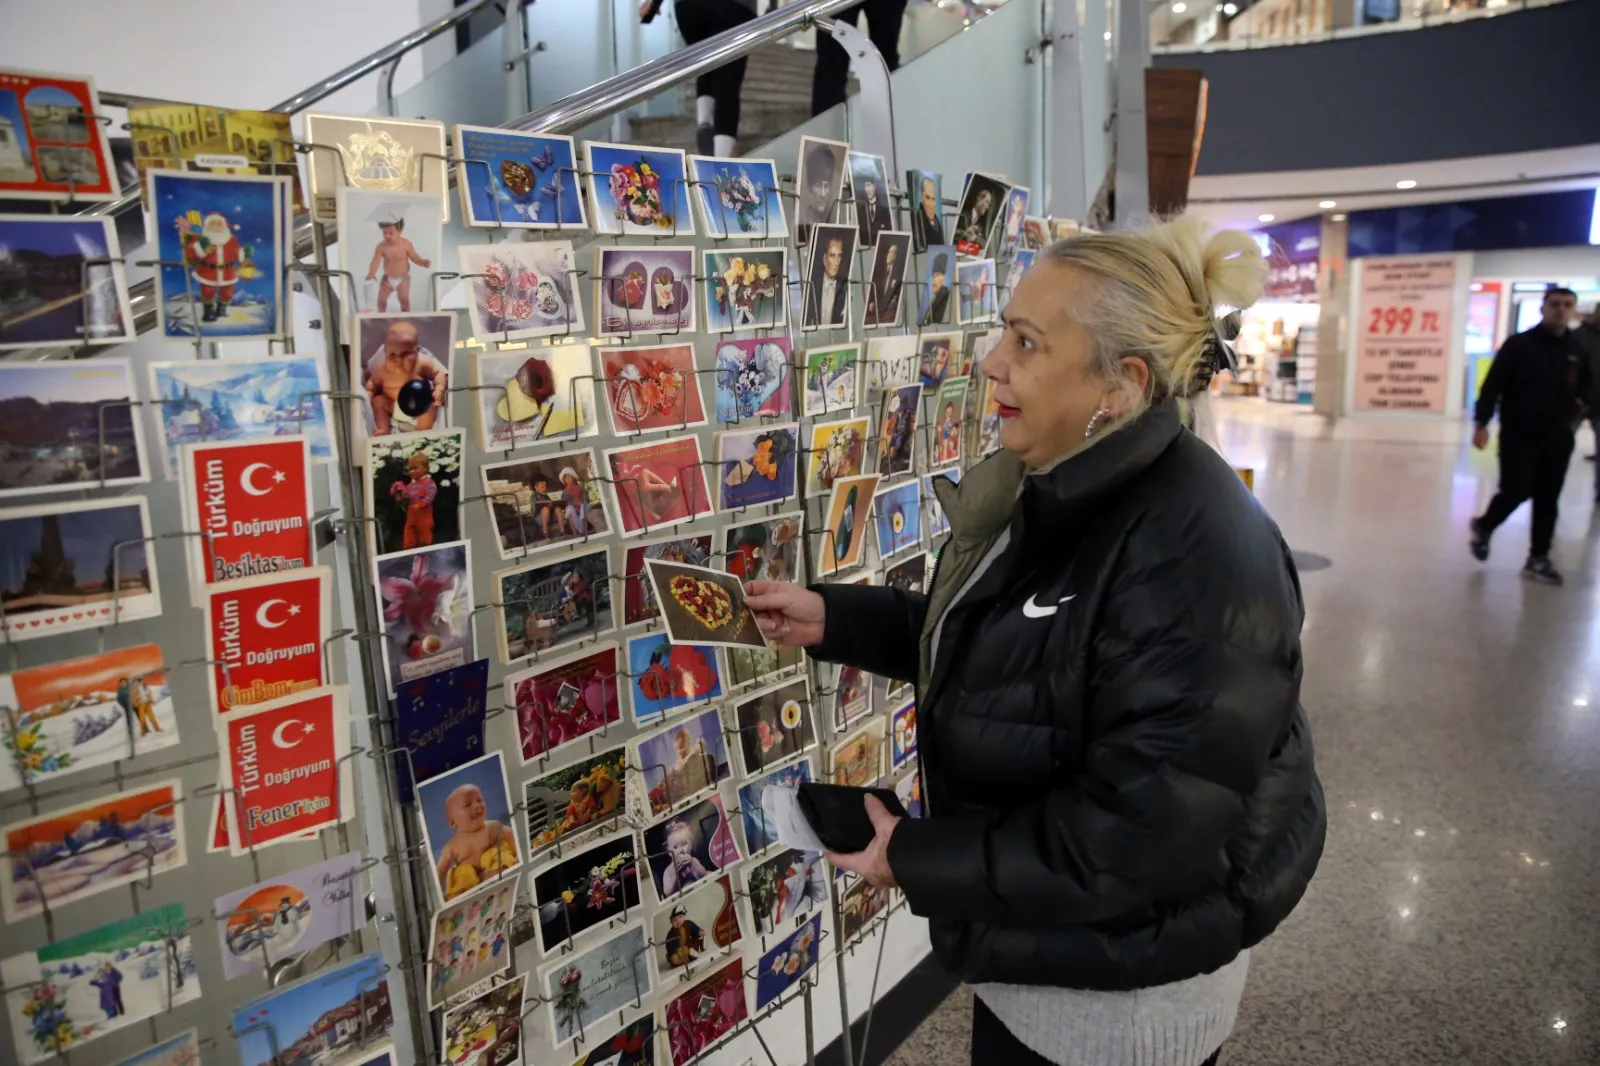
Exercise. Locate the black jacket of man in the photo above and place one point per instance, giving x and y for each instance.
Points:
(1539, 381)
(1118, 775)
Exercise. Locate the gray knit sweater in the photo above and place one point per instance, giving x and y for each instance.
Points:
(1178, 1024)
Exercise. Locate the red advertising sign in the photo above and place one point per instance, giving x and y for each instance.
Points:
(250, 503)
(266, 637)
(281, 759)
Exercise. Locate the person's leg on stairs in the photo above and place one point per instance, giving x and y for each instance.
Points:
(829, 80)
(884, 18)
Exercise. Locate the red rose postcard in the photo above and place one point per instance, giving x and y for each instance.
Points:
(557, 705)
(266, 637)
(651, 388)
(282, 759)
(659, 485)
(250, 501)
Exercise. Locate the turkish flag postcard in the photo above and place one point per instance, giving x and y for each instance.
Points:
(265, 636)
(250, 504)
(282, 760)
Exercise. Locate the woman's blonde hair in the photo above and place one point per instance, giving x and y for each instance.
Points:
(1156, 294)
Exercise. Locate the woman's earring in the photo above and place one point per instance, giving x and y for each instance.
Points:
(1088, 431)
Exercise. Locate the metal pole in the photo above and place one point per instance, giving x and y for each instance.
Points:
(1066, 193)
(514, 58)
(1133, 156)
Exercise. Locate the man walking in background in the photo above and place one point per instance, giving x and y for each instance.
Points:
(717, 92)
(1540, 382)
(1588, 337)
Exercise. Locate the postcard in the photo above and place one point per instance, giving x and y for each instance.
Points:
(933, 307)
(1013, 217)
(689, 846)
(898, 510)
(1035, 233)
(250, 502)
(1021, 263)
(211, 400)
(522, 289)
(669, 677)
(298, 1016)
(644, 290)
(753, 378)
(378, 155)
(908, 576)
(765, 550)
(414, 489)
(938, 521)
(402, 364)
(832, 380)
(908, 790)
(869, 189)
(703, 606)
(543, 606)
(426, 597)
(756, 467)
(571, 803)
(651, 388)
(903, 735)
(789, 962)
(66, 278)
(639, 595)
(978, 216)
(265, 636)
(544, 502)
(949, 415)
(822, 179)
(468, 826)
(70, 716)
(180, 1050)
(527, 399)
(925, 189)
(938, 359)
(784, 887)
(860, 903)
(62, 996)
(897, 430)
(827, 302)
(746, 289)
(838, 451)
(204, 139)
(844, 537)
(227, 231)
(585, 990)
(1062, 228)
(892, 363)
(82, 851)
(759, 831)
(92, 564)
(739, 197)
(852, 696)
(702, 924)
(68, 425)
(289, 914)
(439, 721)
(659, 485)
(857, 760)
(774, 726)
(517, 180)
(639, 191)
(284, 762)
(580, 892)
(988, 433)
(471, 941)
(632, 1045)
(702, 1017)
(682, 762)
(558, 705)
(405, 232)
(975, 292)
(56, 148)
(750, 666)
(486, 1030)
(891, 258)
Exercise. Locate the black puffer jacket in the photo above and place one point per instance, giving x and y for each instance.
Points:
(1117, 769)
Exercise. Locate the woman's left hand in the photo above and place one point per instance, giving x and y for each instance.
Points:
(873, 863)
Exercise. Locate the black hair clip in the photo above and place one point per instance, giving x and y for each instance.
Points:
(1218, 352)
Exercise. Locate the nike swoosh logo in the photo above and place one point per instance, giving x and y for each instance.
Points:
(1031, 609)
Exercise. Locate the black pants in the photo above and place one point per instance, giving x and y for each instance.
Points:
(833, 63)
(698, 20)
(1531, 467)
(993, 1044)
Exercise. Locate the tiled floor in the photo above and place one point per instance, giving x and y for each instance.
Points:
(1455, 919)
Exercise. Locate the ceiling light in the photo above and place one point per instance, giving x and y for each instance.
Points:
(1325, 204)
(1406, 184)
(1179, 8)
(1108, 35)
(1339, 217)
(1230, 9)
(1266, 218)
(1581, 701)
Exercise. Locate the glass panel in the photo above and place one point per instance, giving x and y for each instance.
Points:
(470, 89)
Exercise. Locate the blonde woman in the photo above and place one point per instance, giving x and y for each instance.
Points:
(1120, 793)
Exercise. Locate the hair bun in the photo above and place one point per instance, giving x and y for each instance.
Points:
(1233, 269)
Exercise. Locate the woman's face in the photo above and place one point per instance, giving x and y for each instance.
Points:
(1040, 367)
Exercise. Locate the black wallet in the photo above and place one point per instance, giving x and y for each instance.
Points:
(838, 814)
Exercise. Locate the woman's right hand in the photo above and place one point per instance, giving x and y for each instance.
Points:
(787, 614)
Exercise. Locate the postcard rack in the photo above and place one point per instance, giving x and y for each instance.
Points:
(627, 888)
